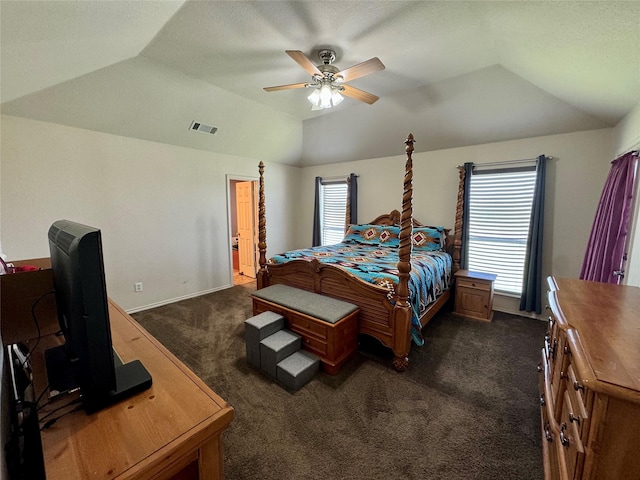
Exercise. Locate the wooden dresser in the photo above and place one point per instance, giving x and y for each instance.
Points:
(590, 382)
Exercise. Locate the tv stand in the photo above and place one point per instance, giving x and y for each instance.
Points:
(173, 430)
(131, 378)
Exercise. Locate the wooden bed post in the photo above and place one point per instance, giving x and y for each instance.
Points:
(262, 232)
(456, 254)
(402, 308)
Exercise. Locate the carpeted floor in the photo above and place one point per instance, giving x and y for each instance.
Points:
(466, 408)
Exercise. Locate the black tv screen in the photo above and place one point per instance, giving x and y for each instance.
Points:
(87, 358)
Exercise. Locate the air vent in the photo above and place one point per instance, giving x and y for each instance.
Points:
(201, 127)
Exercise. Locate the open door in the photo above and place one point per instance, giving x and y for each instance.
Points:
(245, 209)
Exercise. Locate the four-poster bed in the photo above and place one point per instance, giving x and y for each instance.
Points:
(386, 309)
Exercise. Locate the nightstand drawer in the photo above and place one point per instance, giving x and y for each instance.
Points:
(476, 284)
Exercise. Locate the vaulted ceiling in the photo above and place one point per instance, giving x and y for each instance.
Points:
(142, 68)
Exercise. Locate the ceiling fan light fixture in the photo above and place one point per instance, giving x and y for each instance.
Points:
(314, 97)
(336, 98)
(326, 93)
(324, 96)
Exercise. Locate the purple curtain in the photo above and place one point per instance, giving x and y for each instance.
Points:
(605, 250)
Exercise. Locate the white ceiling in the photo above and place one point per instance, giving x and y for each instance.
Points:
(583, 56)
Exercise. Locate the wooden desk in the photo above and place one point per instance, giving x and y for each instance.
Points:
(172, 430)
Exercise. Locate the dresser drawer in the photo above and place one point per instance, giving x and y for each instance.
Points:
(577, 393)
(570, 439)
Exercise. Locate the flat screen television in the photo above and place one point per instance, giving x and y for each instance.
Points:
(86, 360)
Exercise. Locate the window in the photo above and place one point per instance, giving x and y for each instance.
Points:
(333, 210)
(499, 213)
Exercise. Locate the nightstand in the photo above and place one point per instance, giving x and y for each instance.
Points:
(474, 294)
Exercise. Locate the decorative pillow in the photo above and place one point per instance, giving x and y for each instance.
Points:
(389, 235)
(363, 234)
(428, 238)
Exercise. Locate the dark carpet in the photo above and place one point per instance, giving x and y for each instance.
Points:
(466, 408)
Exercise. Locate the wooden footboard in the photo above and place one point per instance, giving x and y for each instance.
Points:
(324, 279)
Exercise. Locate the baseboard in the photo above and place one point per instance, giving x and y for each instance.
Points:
(176, 299)
(511, 305)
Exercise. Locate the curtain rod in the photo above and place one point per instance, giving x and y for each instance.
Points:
(633, 147)
(339, 177)
(506, 162)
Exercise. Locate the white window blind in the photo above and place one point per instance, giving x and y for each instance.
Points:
(333, 210)
(500, 210)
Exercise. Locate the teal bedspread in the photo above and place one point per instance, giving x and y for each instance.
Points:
(430, 271)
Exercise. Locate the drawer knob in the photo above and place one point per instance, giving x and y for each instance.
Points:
(564, 440)
(573, 418)
(540, 367)
(547, 432)
(578, 386)
(542, 402)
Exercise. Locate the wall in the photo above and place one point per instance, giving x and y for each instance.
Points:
(626, 138)
(574, 181)
(162, 209)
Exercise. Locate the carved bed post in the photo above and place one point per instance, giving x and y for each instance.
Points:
(262, 232)
(402, 308)
(457, 235)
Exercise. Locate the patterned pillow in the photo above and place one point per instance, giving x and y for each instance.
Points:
(389, 235)
(363, 234)
(428, 238)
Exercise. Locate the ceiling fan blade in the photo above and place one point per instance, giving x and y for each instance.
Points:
(360, 70)
(304, 62)
(285, 87)
(361, 95)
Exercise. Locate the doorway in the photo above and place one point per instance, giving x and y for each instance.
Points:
(242, 193)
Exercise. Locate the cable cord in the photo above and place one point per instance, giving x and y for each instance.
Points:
(49, 423)
(68, 404)
(37, 324)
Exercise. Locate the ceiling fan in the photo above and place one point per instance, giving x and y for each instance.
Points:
(328, 82)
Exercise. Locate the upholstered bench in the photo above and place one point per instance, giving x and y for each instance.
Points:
(328, 327)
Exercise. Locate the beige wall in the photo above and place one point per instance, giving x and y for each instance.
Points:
(574, 181)
(162, 209)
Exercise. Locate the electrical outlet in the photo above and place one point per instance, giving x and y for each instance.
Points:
(137, 286)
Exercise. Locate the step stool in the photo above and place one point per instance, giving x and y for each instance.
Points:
(276, 348)
(258, 328)
(297, 369)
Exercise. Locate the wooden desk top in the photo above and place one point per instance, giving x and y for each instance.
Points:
(607, 320)
(140, 436)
